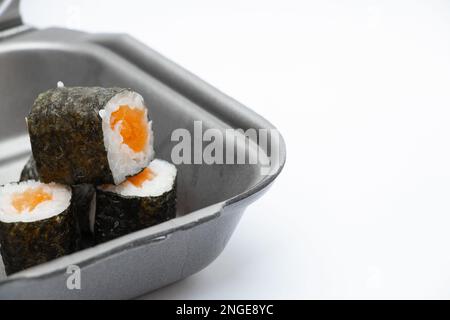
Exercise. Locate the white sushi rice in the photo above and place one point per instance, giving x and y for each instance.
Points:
(122, 160)
(164, 174)
(61, 196)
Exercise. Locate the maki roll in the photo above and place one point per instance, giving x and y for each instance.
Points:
(82, 197)
(89, 135)
(141, 201)
(36, 224)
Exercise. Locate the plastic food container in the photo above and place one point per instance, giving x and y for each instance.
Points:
(211, 198)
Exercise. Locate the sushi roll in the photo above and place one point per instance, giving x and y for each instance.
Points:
(82, 197)
(143, 200)
(89, 135)
(36, 224)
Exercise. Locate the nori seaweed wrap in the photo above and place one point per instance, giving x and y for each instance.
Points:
(145, 200)
(29, 171)
(82, 203)
(89, 135)
(35, 227)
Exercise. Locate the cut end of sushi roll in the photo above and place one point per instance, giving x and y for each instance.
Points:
(31, 201)
(155, 180)
(127, 134)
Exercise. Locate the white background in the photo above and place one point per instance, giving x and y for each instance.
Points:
(360, 92)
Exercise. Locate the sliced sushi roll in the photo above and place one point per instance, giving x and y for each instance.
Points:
(89, 135)
(82, 197)
(143, 200)
(36, 224)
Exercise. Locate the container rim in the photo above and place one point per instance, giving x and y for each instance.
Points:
(164, 230)
(9, 14)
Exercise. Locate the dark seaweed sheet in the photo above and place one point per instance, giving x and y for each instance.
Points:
(118, 215)
(66, 135)
(26, 244)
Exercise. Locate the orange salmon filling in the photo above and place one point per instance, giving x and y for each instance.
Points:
(140, 178)
(30, 198)
(134, 130)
